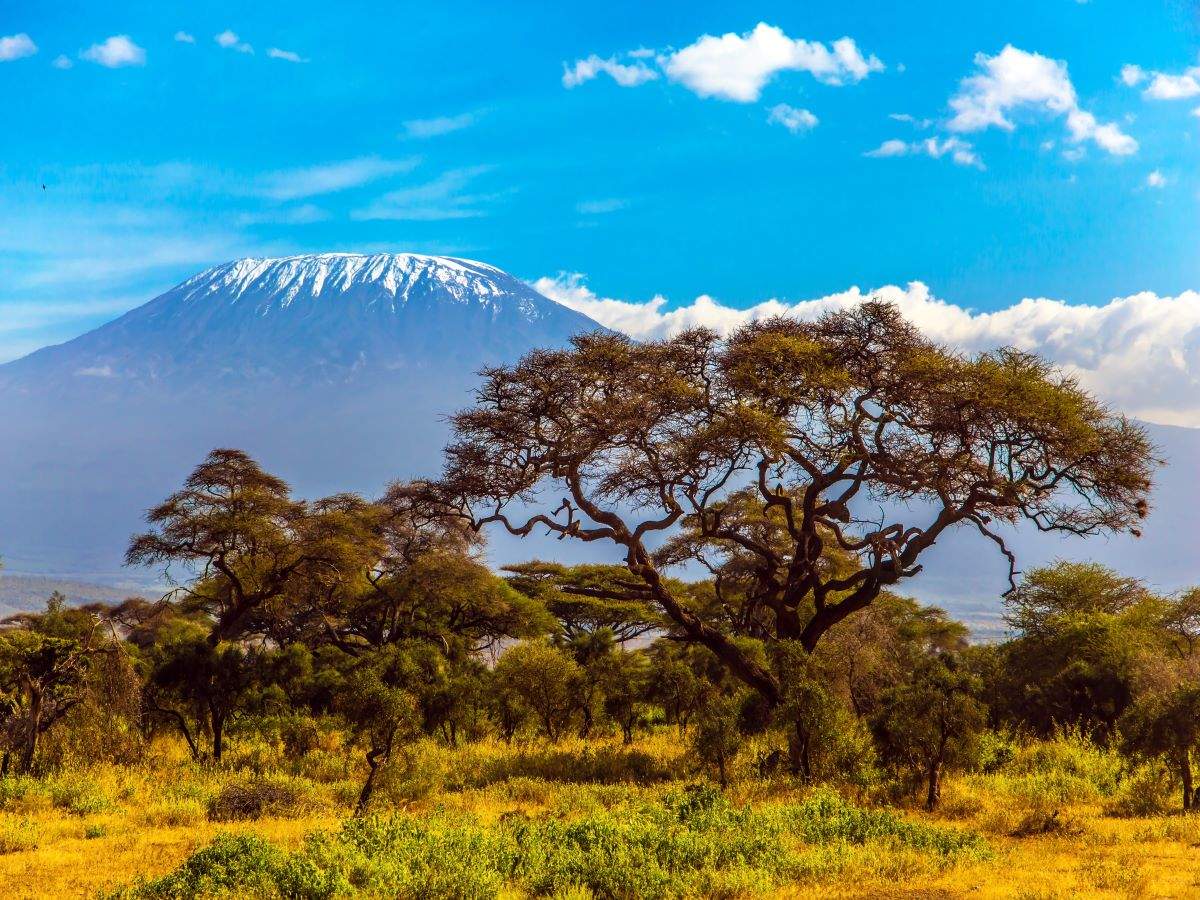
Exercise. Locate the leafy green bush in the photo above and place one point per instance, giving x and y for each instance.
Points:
(1147, 792)
(690, 842)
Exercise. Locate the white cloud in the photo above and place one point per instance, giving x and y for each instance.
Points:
(1156, 179)
(911, 120)
(626, 75)
(286, 55)
(1173, 87)
(16, 46)
(442, 198)
(427, 128)
(310, 181)
(117, 51)
(62, 62)
(737, 67)
(600, 207)
(1132, 75)
(1140, 353)
(184, 38)
(1015, 80)
(793, 119)
(960, 151)
(230, 41)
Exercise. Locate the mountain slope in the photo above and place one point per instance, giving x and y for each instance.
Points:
(301, 320)
(336, 370)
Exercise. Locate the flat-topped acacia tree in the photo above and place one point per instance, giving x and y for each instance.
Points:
(631, 443)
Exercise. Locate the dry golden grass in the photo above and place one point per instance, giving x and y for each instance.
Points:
(82, 833)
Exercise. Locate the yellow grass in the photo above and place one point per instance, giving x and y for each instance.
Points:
(78, 834)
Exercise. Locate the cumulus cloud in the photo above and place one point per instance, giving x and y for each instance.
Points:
(427, 128)
(1173, 87)
(625, 74)
(117, 51)
(1156, 179)
(732, 66)
(960, 151)
(184, 38)
(737, 66)
(793, 119)
(1132, 75)
(62, 62)
(1140, 353)
(285, 55)
(230, 41)
(1015, 80)
(16, 46)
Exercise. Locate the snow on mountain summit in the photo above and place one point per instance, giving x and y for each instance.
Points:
(281, 281)
(325, 317)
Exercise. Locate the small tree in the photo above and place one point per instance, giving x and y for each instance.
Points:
(379, 710)
(192, 681)
(718, 736)
(624, 678)
(544, 679)
(1167, 725)
(932, 720)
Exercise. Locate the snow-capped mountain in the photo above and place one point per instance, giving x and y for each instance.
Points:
(336, 370)
(305, 319)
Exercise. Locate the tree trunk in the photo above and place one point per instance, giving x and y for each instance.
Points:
(1185, 770)
(218, 736)
(934, 795)
(800, 752)
(376, 757)
(29, 751)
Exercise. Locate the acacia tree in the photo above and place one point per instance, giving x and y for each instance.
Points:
(248, 544)
(1167, 725)
(616, 441)
(931, 720)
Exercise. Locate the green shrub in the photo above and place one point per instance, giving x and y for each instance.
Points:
(78, 796)
(1147, 792)
(691, 842)
(18, 836)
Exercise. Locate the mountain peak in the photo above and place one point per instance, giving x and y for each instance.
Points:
(279, 281)
(322, 316)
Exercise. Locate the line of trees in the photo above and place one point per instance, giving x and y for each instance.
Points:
(755, 592)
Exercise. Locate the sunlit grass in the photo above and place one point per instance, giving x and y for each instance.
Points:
(586, 819)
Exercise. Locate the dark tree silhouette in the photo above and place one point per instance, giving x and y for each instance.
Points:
(612, 440)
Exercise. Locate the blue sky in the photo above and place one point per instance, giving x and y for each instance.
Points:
(768, 164)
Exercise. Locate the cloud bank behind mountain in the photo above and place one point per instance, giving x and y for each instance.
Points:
(1140, 353)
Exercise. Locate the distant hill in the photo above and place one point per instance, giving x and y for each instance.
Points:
(21, 593)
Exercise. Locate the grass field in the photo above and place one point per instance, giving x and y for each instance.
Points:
(1059, 819)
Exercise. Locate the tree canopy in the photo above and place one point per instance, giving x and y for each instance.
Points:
(766, 449)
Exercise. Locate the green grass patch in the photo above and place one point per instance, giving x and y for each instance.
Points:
(686, 843)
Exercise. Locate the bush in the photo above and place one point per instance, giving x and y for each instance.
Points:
(79, 796)
(19, 836)
(240, 801)
(174, 812)
(692, 842)
(1145, 793)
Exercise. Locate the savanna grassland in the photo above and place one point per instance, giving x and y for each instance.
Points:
(340, 697)
(1060, 818)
